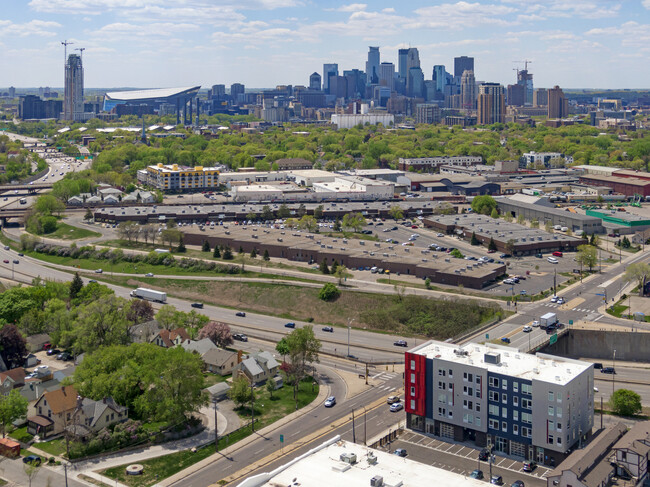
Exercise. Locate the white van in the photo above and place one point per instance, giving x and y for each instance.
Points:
(557, 227)
(373, 270)
(552, 260)
(564, 229)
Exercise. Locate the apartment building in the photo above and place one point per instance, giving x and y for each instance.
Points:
(431, 164)
(179, 178)
(532, 406)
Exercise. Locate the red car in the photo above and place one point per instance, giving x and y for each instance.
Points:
(414, 227)
(557, 254)
(5, 261)
(491, 251)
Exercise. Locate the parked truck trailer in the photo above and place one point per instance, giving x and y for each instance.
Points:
(149, 295)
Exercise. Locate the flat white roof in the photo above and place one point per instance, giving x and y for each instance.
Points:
(155, 93)
(257, 188)
(312, 173)
(323, 466)
(547, 368)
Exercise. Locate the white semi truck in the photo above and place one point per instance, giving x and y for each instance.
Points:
(149, 295)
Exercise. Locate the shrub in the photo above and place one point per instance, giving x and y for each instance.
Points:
(329, 292)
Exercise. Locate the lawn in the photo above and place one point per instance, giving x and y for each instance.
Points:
(267, 411)
(617, 310)
(212, 379)
(68, 232)
(53, 447)
(21, 434)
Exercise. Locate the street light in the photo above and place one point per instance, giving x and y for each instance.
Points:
(614, 371)
(216, 427)
(350, 320)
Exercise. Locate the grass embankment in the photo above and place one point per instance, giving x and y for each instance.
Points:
(267, 411)
(410, 315)
(68, 232)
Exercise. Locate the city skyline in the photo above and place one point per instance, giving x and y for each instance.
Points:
(263, 43)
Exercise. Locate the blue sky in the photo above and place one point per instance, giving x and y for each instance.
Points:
(262, 43)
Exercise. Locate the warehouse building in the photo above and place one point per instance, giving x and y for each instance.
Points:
(432, 164)
(175, 178)
(537, 407)
(621, 222)
(624, 184)
(524, 240)
(538, 211)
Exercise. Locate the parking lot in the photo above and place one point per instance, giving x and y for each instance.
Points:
(463, 459)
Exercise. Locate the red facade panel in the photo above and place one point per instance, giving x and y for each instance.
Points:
(415, 391)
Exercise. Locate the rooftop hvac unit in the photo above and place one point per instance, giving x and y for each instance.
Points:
(377, 480)
(350, 458)
(372, 460)
(557, 378)
(492, 358)
(536, 370)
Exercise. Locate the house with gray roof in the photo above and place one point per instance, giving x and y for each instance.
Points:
(218, 391)
(91, 416)
(633, 452)
(258, 367)
(220, 361)
(199, 346)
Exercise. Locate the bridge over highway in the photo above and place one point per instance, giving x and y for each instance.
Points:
(30, 188)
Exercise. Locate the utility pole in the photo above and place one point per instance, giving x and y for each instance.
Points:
(252, 409)
(365, 414)
(354, 436)
(614, 372)
(216, 428)
(601, 412)
(65, 469)
(555, 283)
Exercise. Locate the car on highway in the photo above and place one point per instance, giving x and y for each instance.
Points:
(527, 329)
(328, 329)
(32, 460)
(400, 452)
(550, 329)
(400, 343)
(529, 466)
(20, 254)
(393, 399)
(197, 305)
(16, 261)
(241, 314)
(476, 474)
(484, 454)
(535, 323)
(149, 274)
(523, 292)
(240, 337)
(561, 301)
(598, 365)
(439, 235)
(291, 324)
(91, 280)
(398, 406)
(7, 247)
(608, 370)
(330, 401)
(496, 480)
(505, 340)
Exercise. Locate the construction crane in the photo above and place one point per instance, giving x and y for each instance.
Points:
(81, 52)
(526, 62)
(65, 50)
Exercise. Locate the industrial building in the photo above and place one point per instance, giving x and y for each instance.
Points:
(172, 178)
(508, 237)
(541, 210)
(619, 182)
(533, 406)
(347, 121)
(431, 164)
(352, 465)
(623, 223)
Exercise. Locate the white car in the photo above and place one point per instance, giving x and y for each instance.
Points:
(439, 235)
(527, 329)
(554, 299)
(535, 323)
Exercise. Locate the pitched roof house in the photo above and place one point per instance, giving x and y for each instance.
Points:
(92, 416)
(220, 361)
(52, 412)
(11, 379)
(258, 367)
(171, 338)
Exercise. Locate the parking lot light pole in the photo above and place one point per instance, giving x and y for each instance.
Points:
(613, 372)
(350, 320)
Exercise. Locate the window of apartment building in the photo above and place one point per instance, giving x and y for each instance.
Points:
(470, 377)
(442, 385)
(412, 404)
(442, 412)
(468, 418)
(412, 378)
(559, 440)
(442, 398)
(477, 408)
(515, 400)
(558, 427)
(470, 391)
(515, 415)
(450, 414)
(526, 418)
(551, 425)
(504, 426)
(478, 379)
(551, 396)
(515, 386)
(493, 410)
(526, 404)
(494, 424)
(493, 396)
(465, 390)
(412, 364)
(504, 412)
(477, 421)
(441, 372)
(464, 403)
(527, 389)
(450, 385)
(551, 411)
(477, 393)
(465, 376)
(515, 429)
(412, 391)
(493, 382)
(504, 398)
(526, 432)
(504, 384)
(450, 373)
(551, 440)
(558, 411)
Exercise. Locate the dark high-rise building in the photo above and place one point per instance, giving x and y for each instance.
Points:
(372, 66)
(329, 69)
(525, 79)
(540, 97)
(12, 92)
(356, 82)
(462, 64)
(516, 95)
(558, 105)
(315, 81)
(387, 75)
(218, 91)
(73, 102)
(468, 90)
(402, 57)
(415, 86)
(32, 107)
(412, 61)
(236, 89)
(491, 104)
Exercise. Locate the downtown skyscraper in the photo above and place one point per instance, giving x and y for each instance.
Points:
(491, 104)
(73, 101)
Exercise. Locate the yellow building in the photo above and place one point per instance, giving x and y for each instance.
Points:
(180, 178)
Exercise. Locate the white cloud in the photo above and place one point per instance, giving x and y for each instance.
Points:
(462, 14)
(646, 4)
(32, 28)
(632, 34)
(391, 10)
(353, 7)
(587, 9)
(120, 31)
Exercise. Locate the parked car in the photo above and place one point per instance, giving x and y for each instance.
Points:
(608, 370)
(476, 474)
(92, 280)
(240, 337)
(398, 406)
(557, 253)
(240, 313)
(98, 271)
(561, 301)
(197, 305)
(53, 351)
(6, 261)
(505, 340)
(291, 324)
(529, 466)
(518, 483)
(149, 274)
(328, 329)
(400, 452)
(393, 399)
(32, 460)
(484, 454)
(400, 343)
(330, 401)
(64, 356)
(496, 480)
(598, 365)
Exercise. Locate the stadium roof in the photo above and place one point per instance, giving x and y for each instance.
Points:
(151, 94)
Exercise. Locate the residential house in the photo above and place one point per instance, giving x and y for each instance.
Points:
(171, 338)
(220, 361)
(11, 379)
(139, 197)
(111, 199)
(76, 200)
(37, 342)
(94, 200)
(218, 391)
(144, 332)
(52, 412)
(632, 453)
(104, 192)
(199, 346)
(258, 367)
(91, 416)
(589, 466)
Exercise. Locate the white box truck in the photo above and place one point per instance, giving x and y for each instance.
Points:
(547, 319)
(149, 295)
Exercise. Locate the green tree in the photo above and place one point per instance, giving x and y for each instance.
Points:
(492, 245)
(318, 212)
(12, 407)
(495, 213)
(355, 221)
(341, 273)
(396, 212)
(270, 387)
(308, 222)
(267, 213)
(484, 204)
(240, 391)
(266, 257)
(48, 205)
(303, 351)
(206, 246)
(548, 226)
(323, 267)
(253, 254)
(100, 324)
(625, 402)
(282, 347)
(75, 285)
(510, 247)
(456, 253)
(89, 215)
(534, 223)
(167, 317)
(181, 245)
(521, 219)
(474, 240)
(284, 211)
(227, 254)
(587, 256)
(639, 272)
(217, 253)
(329, 292)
